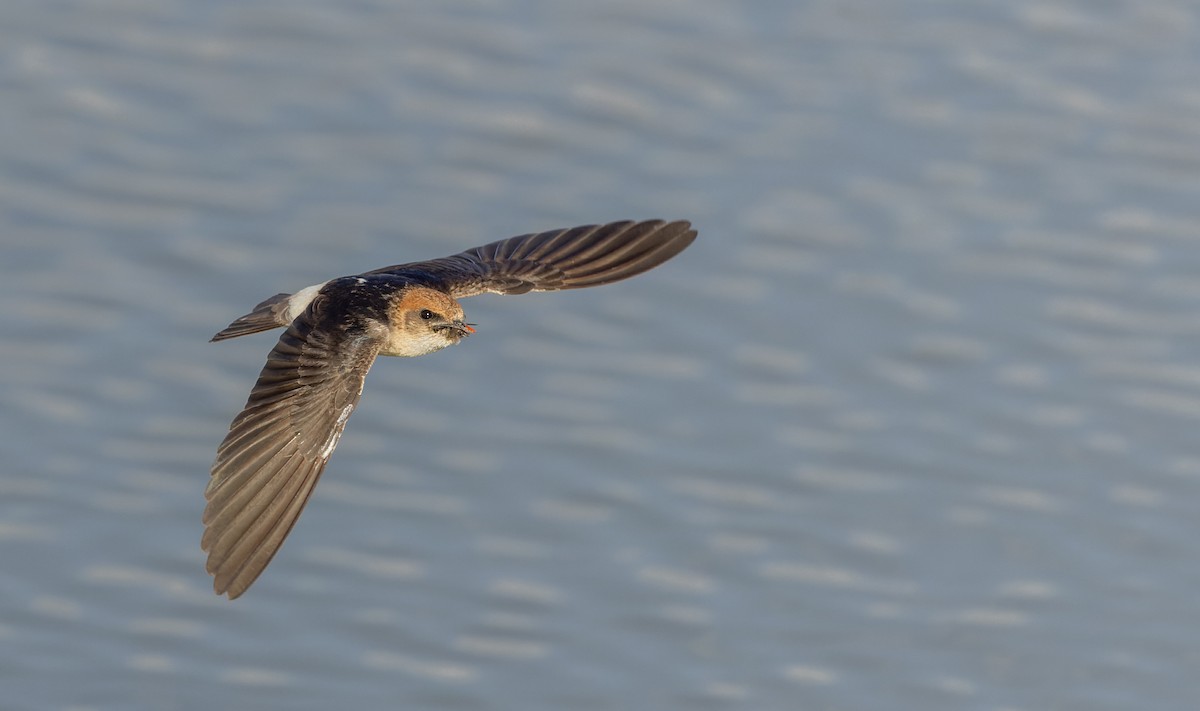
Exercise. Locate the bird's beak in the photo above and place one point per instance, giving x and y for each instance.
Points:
(460, 329)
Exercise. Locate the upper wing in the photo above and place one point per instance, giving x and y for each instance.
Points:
(277, 447)
(561, 259)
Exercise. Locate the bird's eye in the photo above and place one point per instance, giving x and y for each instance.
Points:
(426, 314)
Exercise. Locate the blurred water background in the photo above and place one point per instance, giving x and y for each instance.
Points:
(911, 426)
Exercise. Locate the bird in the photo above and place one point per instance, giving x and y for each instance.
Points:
(278, 445)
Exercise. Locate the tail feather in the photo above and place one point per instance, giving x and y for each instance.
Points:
(267, 315)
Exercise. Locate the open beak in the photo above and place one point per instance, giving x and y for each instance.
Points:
(460, 328)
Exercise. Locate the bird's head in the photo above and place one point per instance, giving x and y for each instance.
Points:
(424, 320)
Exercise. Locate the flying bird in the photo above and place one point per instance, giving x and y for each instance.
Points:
(279, 444)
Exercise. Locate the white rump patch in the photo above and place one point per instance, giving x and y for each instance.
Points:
(299, 301)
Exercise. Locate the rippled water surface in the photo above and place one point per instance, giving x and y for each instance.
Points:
(911, 426)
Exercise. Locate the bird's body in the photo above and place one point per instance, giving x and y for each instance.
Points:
(278, 445)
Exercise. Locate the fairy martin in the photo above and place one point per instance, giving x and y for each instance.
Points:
(278, 445)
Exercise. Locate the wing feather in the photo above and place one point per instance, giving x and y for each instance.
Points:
(278, 445)
(589, 255)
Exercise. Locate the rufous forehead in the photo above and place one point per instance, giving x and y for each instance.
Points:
(415, 298)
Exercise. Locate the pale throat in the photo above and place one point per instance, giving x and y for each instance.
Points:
(400, 342)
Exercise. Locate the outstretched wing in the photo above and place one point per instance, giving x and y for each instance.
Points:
(574, 258)
(277, 447)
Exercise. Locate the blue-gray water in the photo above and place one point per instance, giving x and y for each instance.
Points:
(911, 426)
